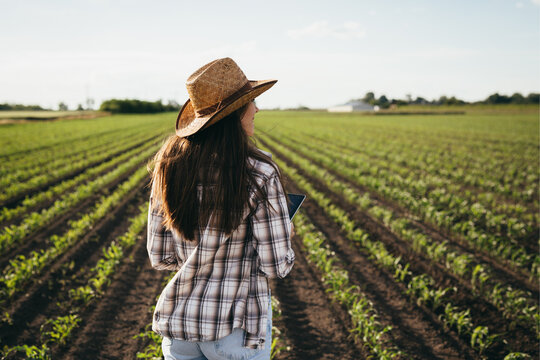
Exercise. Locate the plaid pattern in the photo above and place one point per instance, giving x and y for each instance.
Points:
(222, 281)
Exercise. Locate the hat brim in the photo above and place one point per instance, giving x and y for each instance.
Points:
(187, 122)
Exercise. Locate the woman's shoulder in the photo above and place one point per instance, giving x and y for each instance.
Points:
(265, 153)
(263, 170)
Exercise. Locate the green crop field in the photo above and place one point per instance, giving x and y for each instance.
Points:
(419, 238)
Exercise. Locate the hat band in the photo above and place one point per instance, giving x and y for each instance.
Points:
(213, 108)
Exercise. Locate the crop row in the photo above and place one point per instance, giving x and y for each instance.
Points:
(7, 214)
(515, 304)
(475, 167)
(442, 194)
(23, 269)
(38, 142)
(32, 159)
(100, 146)
(366, 328)
(58, 330)
(16, 233)
(153, 349)
(61, 153)
(41, 139)
(279, 346)
(435, 175)
(46, 141)
(439, 133)
(435, 132)
(48, 175)
(421, 286)
(439, 208)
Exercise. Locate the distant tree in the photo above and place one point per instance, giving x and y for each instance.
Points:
(383, 102)
(369, 98)
(533, 98)
(21, 107)
(497, 99)
(133, 106)
(62, 106)
(442, 100)
(398, 102)
(517, 98)
(80, 107)
(454, 101)
(420, 101)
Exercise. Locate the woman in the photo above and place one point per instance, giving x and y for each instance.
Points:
(218, 216)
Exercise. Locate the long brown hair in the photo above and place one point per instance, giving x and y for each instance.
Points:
(214, 160)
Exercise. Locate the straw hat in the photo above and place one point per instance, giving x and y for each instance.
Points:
(216, 90)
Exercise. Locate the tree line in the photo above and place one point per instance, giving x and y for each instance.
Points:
(383, 102)
(133, 106)
(20, 107)
(116, 106)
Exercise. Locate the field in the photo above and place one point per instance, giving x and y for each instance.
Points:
(18, 117)
(418, 238)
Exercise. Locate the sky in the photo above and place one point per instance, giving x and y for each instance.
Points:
(322, 53)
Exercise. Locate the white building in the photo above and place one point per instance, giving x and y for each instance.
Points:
(353, 105)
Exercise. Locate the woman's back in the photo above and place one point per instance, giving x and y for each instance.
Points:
(218, 216)
(222, 285)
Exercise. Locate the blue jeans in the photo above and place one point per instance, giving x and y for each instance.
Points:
(228, 347)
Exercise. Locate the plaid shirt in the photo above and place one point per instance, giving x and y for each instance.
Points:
(222, 281)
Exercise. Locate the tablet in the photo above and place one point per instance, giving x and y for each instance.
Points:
(295, 200)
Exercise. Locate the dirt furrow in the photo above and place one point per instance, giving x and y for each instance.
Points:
(38, 239)
(47, 203)
(108, 328)
(13, 202)
(315, 326)
(505, 272)
(483, 312)
(38, 302)
(415, 329)
(59, 144)
(499, 197)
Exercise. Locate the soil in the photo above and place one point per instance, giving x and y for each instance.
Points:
(529, 240)
(483, 312)
(39, 238)
(414, 329)
(314, 326)
(58, 145)
(16, 200)
(504, 271)
(109, 328)
(39, 301)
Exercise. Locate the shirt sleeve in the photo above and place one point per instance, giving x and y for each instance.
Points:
(272, 231)
(160, 242)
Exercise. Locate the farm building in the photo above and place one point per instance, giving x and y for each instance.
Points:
(353, 105)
